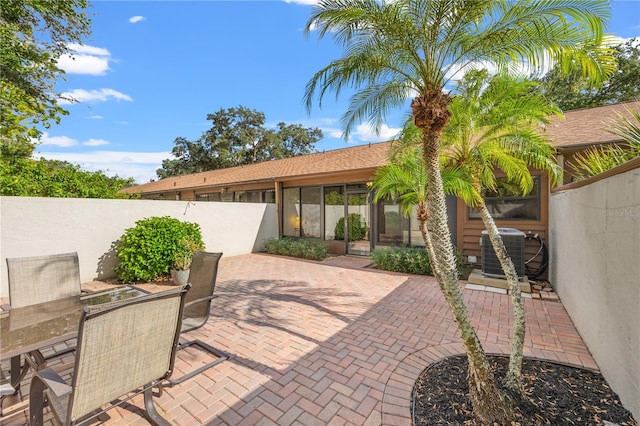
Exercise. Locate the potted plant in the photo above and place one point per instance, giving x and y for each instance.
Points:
(182, 257)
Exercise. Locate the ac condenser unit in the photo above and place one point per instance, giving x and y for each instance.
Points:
(514, 243)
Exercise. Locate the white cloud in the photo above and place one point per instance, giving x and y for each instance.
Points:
(95, 142)
(364, 132)
(96, 117)
(136, 19)
(88, 50)
(61, 141)
(305, 2)
(84, 64)
(100, 95)
(85, 60)
(141, 166)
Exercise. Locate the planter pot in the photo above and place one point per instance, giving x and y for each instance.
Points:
(180, 277)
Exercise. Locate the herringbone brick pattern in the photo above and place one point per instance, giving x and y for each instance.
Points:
(330, 343)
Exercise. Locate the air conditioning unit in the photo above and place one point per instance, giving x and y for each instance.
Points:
(513, 240)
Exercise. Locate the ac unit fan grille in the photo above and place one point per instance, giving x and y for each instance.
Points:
(513, 240)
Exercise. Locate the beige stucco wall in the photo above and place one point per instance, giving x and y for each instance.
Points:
(595, 269)
(37, 226)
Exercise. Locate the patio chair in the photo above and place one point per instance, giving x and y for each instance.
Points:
(5, 389)
(123, 347)
(39, 279)
(202, 277)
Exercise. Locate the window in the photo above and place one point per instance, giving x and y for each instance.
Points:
(395, 228)
(333, 210)
(310, 219)
(291, 212)
(504, 203)
(301, 212)
(215, 196)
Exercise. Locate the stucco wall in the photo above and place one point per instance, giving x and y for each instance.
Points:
(37, 226)
(595, 269)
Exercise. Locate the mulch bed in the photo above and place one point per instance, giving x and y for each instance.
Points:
(558, 395)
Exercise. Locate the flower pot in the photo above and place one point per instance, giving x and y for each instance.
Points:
(180, 277)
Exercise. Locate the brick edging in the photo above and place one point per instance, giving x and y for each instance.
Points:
(396, 401)
(397, 397)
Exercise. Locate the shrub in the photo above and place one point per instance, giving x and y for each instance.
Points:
(411, 260)
(305, 248)
(357, 230)
(148, 250)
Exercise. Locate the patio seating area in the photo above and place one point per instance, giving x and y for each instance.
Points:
(334, 342)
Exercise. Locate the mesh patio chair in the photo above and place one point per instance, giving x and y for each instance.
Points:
(5, 389)
(39, 279)
(202, 277)
(123, 347)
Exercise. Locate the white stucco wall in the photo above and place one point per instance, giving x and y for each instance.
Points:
(32, 226)
(595, 269)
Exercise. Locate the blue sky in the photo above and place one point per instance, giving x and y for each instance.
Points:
(152, 70)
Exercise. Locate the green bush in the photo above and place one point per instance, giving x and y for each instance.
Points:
(305, 248)
(357, 230)
(411, 260)
(148, 250)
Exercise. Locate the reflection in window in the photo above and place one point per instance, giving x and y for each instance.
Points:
(291, 212)
(333, 210)
(505, 202)
(395, 228)
(310, 219)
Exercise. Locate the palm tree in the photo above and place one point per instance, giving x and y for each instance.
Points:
(404, 179)
(493, 127)
(412, 48)
(596, 160)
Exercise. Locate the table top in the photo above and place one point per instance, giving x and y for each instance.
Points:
(36, 326)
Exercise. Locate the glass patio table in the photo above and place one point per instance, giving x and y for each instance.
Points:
(26, 330)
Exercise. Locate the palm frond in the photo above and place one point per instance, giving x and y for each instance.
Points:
(627, 127)
(596, 160)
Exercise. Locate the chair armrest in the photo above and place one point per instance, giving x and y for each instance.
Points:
(48, 386)
(5, 386)
(203, 299)
(52, 382)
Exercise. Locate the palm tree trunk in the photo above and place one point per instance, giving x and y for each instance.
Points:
(422, 215)
(489, 402)
(513, 379)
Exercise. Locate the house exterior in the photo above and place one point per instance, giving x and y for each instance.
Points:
(316, 192)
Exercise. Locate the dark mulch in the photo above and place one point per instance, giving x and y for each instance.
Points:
(558, 395)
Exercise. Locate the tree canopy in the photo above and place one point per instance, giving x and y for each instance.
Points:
(33, 36)
(237, 137)
(573, 91)
(26, 177)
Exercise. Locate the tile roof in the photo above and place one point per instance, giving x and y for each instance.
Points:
(575, 130)
(585, 127)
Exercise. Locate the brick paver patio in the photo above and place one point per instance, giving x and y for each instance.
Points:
(330, 343)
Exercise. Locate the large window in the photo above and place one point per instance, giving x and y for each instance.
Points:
(291, 212)
(506, 202)
(333, 210)
(301, 212)
(310, 219)
(395, 228)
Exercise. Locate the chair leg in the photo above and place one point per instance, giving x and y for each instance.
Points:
(150, 412)
(208, 348)
(36, 402)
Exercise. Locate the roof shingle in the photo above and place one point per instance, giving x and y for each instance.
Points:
(575, 130)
